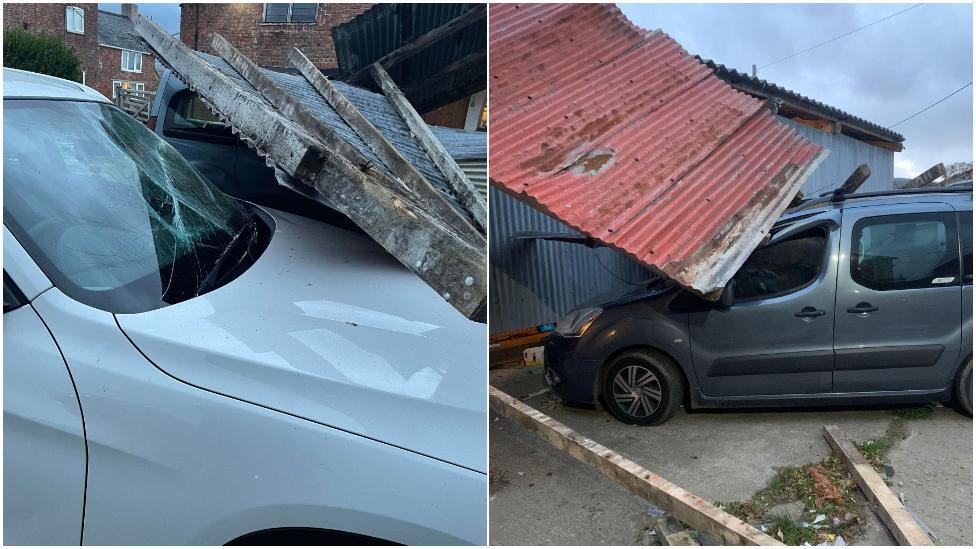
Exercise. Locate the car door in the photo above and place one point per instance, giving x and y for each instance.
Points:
(44, 453)
(204, 140)
(777, 337)
(898, 322)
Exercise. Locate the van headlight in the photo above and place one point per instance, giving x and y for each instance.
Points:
(576, 322)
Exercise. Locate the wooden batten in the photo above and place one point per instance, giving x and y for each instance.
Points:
(406, 51)
(389, 214)
(679, 503)
(459, 182)
(892, 512)
(433, 199)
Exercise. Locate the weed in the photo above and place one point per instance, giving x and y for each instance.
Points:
(915, 412)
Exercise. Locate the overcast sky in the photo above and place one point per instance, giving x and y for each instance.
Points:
(165, 15)
(883, 73)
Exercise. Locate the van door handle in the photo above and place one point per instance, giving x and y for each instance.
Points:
(807, 312)
(862, 307)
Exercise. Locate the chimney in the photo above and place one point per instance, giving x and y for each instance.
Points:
(130, 11)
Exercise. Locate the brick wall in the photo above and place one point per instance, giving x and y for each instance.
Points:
(267, 44)
(111, 69)
(50, 19)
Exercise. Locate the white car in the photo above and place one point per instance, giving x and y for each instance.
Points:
(181, 367)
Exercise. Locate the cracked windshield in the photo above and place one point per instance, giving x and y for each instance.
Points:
(115, 217)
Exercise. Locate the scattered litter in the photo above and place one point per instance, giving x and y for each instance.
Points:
(819, 519)
(655, 512)
(823, 488)
(918, 519)
(540, 392)
(521, 473)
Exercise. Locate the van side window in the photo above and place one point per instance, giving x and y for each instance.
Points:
(900, 252)
(190, 113)
(783, 267)
(966, 241)
(12, 296)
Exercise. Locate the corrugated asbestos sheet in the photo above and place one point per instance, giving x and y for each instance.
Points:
(624, 136)
(378, 111)
(470, 150)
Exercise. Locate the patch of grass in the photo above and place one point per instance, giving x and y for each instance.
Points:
(915, 412)
(875, 451)
(790, 533)
(797, 484)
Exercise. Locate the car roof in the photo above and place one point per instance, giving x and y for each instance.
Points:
(24, 84)
(959, 197)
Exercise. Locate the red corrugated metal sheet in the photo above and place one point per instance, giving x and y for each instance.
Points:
(623, 135)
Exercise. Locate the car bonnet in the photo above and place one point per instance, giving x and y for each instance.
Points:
(326, 325)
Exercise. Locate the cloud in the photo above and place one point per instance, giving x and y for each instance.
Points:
(883, 73)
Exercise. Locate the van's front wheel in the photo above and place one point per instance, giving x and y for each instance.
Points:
(964, 389)
(642, 388)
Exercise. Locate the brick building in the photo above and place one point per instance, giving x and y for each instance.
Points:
(124, 59)
(110, 54)
(75, 23)
(265, 33)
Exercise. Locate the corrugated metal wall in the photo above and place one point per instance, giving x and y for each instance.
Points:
(845, 156)
(534, 282)
(477, 171)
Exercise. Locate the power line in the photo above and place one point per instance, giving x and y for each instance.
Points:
(930, 106)
(840, 36)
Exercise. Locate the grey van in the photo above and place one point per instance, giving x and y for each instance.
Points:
(858, 299)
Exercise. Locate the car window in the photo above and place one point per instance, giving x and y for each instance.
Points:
(783, 267)
(12, 296)
(188, 112)
(966, 241)
(113, 215)
(899, 252)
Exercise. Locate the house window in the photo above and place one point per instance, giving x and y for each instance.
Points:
(131, 61)
(74, 19)
(126, 85)
(289, 13)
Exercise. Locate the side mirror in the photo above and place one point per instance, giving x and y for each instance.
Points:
(727, 297)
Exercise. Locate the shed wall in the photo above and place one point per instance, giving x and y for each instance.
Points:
(845, 156)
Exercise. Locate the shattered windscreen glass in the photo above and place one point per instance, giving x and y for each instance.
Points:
(113, 214)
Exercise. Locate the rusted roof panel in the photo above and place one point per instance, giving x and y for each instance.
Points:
(624, 136)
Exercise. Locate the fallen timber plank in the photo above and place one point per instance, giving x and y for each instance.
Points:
(856, 179)
(927, 177)
(377, 142)
(894, 514)
(452, 267)
(410, 49)
(679, 503)
(459, 182)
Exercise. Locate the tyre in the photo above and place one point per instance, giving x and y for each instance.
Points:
(963, 392)
(642, 388)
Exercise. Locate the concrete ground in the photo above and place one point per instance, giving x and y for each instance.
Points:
(540, 496)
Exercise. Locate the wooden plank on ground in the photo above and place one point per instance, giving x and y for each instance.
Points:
(894, 514)
(681, 504)
(429, 196)
(435, 252)
(459, 182)
(417, 45)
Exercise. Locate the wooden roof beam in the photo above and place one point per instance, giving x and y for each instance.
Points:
(410, 49)
(454, 268)
(459, 182)
(433, 199)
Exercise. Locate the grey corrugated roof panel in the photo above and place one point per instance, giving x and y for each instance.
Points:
(462, 144)
(116, 30)
(733, 77)
(374, 107)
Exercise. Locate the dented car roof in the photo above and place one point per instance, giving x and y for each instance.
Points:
(626, 137)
